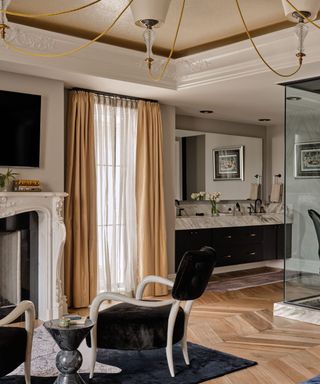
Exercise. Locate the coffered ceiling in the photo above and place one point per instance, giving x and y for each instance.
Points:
(206, 23)
(214, 67)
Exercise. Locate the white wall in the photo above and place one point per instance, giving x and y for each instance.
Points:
(234, 189)
(169, 123)
(51, 170)
(275, 154)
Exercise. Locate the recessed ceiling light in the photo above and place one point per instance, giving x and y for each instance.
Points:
(264, 119)
(206, 111)
(294, 98)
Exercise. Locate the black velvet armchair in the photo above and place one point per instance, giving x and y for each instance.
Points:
(137, 324)
(15, 342)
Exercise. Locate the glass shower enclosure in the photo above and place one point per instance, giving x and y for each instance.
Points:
(302, 193)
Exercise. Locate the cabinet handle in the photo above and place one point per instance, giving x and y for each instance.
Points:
(251, 253)
(227, 256)
(253, 234)
(228, 237)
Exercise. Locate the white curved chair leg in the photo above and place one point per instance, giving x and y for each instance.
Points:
(28, 307)
(170, 359)
(171, 322)
(184, 347)
(93, 353)
(27, 371)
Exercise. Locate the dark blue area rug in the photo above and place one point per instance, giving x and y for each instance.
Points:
(315, 380)
(150, 367)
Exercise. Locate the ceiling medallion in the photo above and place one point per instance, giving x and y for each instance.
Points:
(151, 14)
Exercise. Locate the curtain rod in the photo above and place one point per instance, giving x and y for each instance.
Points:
(113, 94)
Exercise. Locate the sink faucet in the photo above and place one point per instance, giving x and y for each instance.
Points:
(251, 209)
(179, 210)
(257, 206)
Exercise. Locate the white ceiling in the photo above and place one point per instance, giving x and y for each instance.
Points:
(231, 80)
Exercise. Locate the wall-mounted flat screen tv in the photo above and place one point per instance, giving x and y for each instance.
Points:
(19, 129)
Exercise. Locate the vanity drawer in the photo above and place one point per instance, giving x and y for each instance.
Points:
(239, 255)
(192, 239)
(237, 235)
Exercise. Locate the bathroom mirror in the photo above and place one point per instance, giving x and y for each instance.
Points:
(201, 156)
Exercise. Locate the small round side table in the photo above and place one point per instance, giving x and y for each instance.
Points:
(69, 359)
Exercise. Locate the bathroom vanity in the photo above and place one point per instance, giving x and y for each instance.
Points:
(237, 240)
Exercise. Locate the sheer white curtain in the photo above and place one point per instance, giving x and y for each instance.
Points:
(115, 123)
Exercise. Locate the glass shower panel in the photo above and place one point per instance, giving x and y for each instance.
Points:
(302, 194)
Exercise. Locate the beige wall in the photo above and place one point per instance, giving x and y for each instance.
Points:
(169, 122)
(235, 189)
(191, 123)
(51, 170)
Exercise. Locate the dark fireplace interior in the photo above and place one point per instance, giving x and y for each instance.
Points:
(27, 225)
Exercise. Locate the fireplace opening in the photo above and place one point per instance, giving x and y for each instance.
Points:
(18, 261)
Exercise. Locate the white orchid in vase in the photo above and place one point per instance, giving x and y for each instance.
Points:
(214, 198)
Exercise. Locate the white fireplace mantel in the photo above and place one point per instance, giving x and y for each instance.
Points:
(52, 236)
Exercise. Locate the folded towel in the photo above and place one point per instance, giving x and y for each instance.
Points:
(254, 191)
(276, 193)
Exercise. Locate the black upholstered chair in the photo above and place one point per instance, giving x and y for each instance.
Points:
(316, 221)
(137, 324)
(15, 342)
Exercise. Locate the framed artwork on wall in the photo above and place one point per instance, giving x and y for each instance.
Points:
(307, 160)
(228, 163)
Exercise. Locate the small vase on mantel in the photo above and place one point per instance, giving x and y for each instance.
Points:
(6, 187)
(6, 180)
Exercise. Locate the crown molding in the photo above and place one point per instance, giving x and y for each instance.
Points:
(109, 62)
(98, 60)
(240, 59)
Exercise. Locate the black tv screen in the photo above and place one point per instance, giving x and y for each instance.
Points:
(19, 129)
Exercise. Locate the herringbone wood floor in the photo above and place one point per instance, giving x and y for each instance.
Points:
(241, 322)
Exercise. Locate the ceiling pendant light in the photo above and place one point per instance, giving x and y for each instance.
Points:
(4, 4)
(308, 8)
(149, 14)
(143, 10)
(300, 12)
(301, 33)
(149, 37)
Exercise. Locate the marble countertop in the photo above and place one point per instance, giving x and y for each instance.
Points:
(228, 220)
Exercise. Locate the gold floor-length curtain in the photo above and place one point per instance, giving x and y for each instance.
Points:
(80, 211)
(151, 226)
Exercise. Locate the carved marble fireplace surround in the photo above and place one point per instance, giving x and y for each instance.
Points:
(52, 235)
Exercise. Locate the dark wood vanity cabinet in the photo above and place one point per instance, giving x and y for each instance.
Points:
(191, 239)
(235, 245)
(238, 245)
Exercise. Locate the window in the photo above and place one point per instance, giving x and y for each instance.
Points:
(115, 122)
